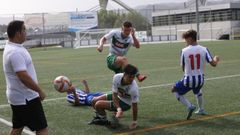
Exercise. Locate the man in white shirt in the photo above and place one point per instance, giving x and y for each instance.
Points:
(121, 41)
(23, 92)
(124, 95)
(193, 61)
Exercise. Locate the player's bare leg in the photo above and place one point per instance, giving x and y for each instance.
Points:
(16, 131)
(101, 118)
(184, 101)
(95, 99)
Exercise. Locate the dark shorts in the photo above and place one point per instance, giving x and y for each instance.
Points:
(30, 115)
(90, 97)
(182, 89)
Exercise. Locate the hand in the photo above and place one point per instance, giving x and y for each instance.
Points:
(71, 89)
(216, 58)
(100, 48)
(133, 31)
(84, 81)
(42, 95)
(133, 125)
(119, 112)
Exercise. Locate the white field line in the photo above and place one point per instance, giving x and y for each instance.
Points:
(208, 79)
(145, 87)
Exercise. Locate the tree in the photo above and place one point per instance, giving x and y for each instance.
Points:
(111, 19)
(106, 19)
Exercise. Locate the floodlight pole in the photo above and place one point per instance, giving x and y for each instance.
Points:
(197, 20)
(43, 31)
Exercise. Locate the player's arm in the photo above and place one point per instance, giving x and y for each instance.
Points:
(117, 105)
(135, 40)
(215, 61)
(182, 63)
(72, 90)
(183, 68)
(30, 83)
(86, 88)
(103, 40)
(135, 114)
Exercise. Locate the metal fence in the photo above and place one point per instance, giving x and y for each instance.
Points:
(167, 25)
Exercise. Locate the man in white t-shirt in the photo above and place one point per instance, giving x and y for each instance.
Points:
(124, 95)
(193, 61)
(23, 92)
(121, 41)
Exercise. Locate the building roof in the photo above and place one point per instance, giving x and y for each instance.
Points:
(202, 8)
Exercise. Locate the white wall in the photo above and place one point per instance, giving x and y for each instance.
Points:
(207, 30)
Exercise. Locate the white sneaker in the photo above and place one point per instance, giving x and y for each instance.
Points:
(200, 112)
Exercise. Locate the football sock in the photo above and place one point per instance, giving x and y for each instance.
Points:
(199, 98)
(101, 116)
(183, 100)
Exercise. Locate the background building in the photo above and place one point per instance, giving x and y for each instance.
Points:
(216, 22)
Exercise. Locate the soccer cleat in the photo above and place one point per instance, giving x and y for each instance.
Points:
(99, 121)
(114, 122)
(95, 118)
(141, 77)
(200, 112)
(190, 111)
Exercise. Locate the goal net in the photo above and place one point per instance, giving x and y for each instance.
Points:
(89, 37)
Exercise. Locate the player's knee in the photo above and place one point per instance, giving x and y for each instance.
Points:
(199, 94)
(94, 101)
(173, 89)
(97, 105)
(123, 60)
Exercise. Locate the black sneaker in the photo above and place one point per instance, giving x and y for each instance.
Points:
(190, 111)
(114, 122)
(99, 121)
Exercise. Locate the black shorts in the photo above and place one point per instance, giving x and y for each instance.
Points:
(30, 115)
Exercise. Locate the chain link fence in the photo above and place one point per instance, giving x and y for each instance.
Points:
(46, 29)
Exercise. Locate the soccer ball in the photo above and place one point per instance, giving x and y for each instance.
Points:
(62, 83)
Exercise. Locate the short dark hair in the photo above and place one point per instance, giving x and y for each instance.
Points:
(130, 70)
(190, 33)
(127, 24)
(14, 27)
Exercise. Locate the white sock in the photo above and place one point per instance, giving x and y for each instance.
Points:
(183, 100)
(102, 116)
(199, 98)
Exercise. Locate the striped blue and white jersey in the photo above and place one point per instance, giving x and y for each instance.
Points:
(193, 61)
(84, 98)
(119, 44)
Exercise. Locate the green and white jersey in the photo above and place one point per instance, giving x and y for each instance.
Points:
(119, 44)
(127, 93)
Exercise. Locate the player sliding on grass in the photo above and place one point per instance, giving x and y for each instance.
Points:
(124, 95)
(120, 44)
(193, 61)
(77, 96)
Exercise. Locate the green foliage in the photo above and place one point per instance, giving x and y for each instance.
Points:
(111, 19)
(106, 19)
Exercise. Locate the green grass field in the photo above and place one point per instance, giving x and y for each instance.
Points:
(159, 111)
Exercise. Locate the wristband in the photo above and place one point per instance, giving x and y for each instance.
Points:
(119, 109)
(134, 122)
